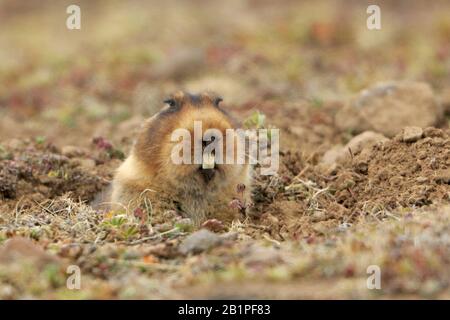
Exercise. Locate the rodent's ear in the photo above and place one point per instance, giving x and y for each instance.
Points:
(217, 101)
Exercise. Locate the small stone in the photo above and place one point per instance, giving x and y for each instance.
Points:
(422, 155)
(170, 214)
(321, 227)
(422, 179)
(412, 134)
(271, 219)
(72, 151)
(318, 216)
(434, 164)
(72, 250)
(443, 176)
(262, 256)
(361, 167)
(83, 163)
(229, 236)
(363, 141)
(395, 181)
(433, 132)
(438, 142)
(200, 241)
(163, 227)
(213, 225)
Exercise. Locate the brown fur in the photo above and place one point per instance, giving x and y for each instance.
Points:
(148, 172)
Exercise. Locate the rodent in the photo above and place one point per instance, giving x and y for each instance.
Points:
(196, 192)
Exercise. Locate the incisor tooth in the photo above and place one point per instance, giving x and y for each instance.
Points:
(208, 161)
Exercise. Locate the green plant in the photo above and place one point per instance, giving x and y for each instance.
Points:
(255, 121)
(40, 139)
(116, 221)
(129, 231)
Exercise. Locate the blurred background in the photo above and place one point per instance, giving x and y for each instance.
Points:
(70, 85)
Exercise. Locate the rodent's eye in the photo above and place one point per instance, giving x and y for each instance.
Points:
(217, 101)
(170, 102)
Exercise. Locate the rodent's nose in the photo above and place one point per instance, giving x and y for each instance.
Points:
(207, 174)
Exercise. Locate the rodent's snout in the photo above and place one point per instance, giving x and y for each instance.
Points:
(207, 174)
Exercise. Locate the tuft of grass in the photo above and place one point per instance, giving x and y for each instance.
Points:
(255, 121)
(40, 139)
(129, 231)
(116, 221)
(184, 226)
(52, 273)
(317, 102)
(5, 155)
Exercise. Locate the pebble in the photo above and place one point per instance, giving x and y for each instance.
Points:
(204, 240)
(72, 151)
(412, 134)
(357, 144)
(443, 176)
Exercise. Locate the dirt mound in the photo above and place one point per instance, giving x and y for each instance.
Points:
(33, 171)
(305, 201)
(397, 174)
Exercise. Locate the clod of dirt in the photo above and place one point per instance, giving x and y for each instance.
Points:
(340, 154)
(364, 140)
(412, 134)
(19, 249)
(388, 107)
(72, 151)
(443, 176)
(213, 225)
(257, 256)
(8, 182)
(83, 163)
(203, 240)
